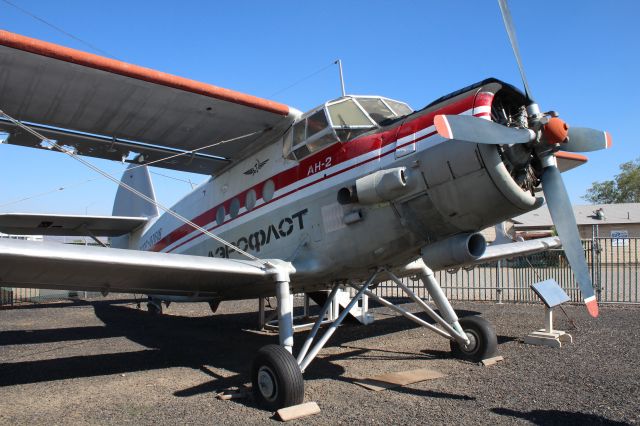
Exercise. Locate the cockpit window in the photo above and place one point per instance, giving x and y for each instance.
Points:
(398, 107)
(316, 123)
(340, 120)
(347, 114)
(299, 132)
(376, 109)
(309, 135)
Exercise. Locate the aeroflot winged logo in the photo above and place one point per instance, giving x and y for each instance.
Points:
(256, 167)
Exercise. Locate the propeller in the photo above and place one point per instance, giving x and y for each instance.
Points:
(565, 223)
(511, 32)
(478, 130)
(545, 134)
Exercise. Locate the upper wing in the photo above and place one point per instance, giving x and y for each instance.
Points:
(68, 225)
(127, 108)
(64, 266)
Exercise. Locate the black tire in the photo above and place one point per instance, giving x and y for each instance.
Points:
(484, 341)
(276, 378)
(154, 308)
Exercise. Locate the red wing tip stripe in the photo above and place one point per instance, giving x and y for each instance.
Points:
(66, 54)
(609, 141)
(592, 306)
(442, 126)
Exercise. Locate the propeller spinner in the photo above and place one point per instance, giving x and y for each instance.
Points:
(545, 134)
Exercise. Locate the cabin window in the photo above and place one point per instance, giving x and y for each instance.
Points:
(234, 208)
(268, 190)
(250, 200)
(220, 214)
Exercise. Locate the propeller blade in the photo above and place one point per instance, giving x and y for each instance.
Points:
(565, 223)
(584, 139)
(479, 130)
(511, 32)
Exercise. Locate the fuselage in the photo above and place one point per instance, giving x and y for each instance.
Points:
(276, 207)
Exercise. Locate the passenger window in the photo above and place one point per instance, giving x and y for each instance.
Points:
(220, 214)
(268, 190)
(234, 208)
(250, 200)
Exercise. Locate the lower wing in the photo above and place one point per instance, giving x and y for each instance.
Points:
(63, 266)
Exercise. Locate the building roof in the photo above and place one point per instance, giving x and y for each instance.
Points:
(614, 214)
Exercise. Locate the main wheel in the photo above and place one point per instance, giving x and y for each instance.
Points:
(276, 378)
(482, 340)
(154, 308)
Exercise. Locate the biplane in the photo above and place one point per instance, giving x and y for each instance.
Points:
(355, 191)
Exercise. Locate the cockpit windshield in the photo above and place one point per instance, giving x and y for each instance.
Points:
(340, 120)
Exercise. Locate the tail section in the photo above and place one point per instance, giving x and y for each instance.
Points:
(127, 203)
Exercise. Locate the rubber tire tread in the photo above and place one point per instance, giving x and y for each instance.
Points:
(487, 336)
(289, 377)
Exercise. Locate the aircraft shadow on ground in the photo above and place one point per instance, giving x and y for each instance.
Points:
(221, 341)
(557, 417)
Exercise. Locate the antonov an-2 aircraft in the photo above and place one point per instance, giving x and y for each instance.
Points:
(358, 190)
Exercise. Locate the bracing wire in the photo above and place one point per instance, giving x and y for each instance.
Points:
(68, 34)
(301, 80)
(42, 194)
(134, 191)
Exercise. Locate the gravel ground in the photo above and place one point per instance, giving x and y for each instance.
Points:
(106, 362)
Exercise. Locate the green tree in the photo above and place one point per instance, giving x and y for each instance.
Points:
(624, 188)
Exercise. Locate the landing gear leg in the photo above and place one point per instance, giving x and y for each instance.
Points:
(275, 375)
(482, 341)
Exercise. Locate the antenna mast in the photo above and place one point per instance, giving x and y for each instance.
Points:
(339, 62)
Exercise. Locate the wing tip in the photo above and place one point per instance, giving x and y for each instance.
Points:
(592, 306)
(442, 126)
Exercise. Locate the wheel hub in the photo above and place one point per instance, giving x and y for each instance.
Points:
(473, 342)
(267, 383)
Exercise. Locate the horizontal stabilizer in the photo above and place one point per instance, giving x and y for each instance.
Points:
(68, 225)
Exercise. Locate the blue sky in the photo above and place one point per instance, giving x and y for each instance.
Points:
(581, 57)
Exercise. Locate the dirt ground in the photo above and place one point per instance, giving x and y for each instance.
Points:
(106, 362)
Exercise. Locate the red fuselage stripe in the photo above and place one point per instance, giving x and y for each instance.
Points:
(339, 153)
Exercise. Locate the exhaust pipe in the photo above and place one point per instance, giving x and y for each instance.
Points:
(455, 251)
(378, 187)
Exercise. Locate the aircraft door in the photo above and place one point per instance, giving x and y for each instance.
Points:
(405, 140)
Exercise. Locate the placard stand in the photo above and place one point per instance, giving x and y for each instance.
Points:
(552, 295)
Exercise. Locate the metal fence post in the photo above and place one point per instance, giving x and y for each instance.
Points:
(499, 282)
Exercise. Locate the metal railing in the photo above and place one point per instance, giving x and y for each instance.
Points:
(19, 296)
(614, 266)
